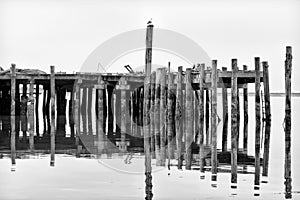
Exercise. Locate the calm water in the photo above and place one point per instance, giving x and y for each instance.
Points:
(121, 176)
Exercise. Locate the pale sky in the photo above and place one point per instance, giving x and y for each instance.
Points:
(40, 33)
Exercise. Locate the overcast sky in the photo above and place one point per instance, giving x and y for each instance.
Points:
(40, 33)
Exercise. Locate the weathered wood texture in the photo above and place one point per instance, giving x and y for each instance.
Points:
(214, 161)
(178, 117)
(52, 122)
(257, 122)
(245, 106)
(225, 116)
(163, 117)
(267, 119)
(189, 119)
(234, 127)
(13, 114)
(201, 118)
(288, 163)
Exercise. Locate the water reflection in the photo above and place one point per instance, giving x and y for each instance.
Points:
(108, 148)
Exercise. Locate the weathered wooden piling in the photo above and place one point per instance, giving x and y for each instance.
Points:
(225, 115)
(110, 109)
(207, 100)
(163, 117)
(287, 120)
(31, 116)
(37, 95)
(123, 86)
(245, 106)
(201, 119)
(189, 119)
(267, 119)
(178, 117)
(147, 83)
(170, 115)
(234, 127)
(77, 114)
(13, 116)
(71, 114)
(52, 100)
(257, 123)
(100, 87)
(214, 160)
(152, 115)
(83, 110)
(89, 110)
(238, 119)
(157, 117)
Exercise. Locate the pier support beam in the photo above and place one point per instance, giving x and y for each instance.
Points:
(189, 119)
(52, 122)
(13, 116)
(31, 116)
(170, 116)
(225, 115)
(214, 161)
(267, 120)
(257, 125)
(245, 95)
(178, 117)
(288, 163)
(163, 117)
(234, 127)
(201, 119)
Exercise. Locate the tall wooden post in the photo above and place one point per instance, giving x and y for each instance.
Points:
(163, 117)
(225, 115)
(234, 127)
(201, 119)
(245, 95)
(83, 110)
(31, 116)
(288, 163)
(152, 115)
(189, 119)
(110, 109)
(178, 117)
(89, 110)
(123, 87)
(100, 87)
(146, 123)
(37, 95)
(52, 100)
(170, 116)
(214, 85)
(257, 124)
(76, 114)
(207, 100)
(157, 117)
(13, 116)
(268, 119)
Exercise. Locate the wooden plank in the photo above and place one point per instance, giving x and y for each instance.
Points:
(214, 160)
(178, 117)
(288, 109)
(234, 127)
(13, 116)
(267, 120)
(257, 124)
(77, 115)
(52, 122)
(163, 116)
(89, 110)
(225, 116)
(189, 119)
